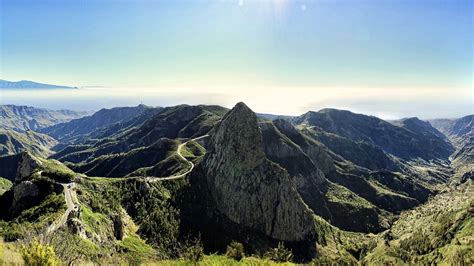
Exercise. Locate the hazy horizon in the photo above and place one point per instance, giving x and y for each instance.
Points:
(95, 98)
(391, 59)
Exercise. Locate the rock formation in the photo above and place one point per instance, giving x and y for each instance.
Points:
(28, 163)
(23, 193)
(249, 189)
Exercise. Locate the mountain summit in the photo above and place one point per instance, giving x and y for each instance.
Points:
(249, 189)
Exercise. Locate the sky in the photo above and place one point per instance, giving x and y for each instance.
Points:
(391, 59)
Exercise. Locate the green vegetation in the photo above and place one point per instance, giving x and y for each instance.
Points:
(222, 260)
(135, 250)
(5, 185)
(235, 250)
(9, 254)
(38, 254)
(56, 171)
(13, 142)
(73, 248)
(193, 151)
(194, 251)
(438, 232)
(340, 194)
(279, 253)
(33, 220)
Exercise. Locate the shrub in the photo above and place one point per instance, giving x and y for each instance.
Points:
(279, 254)
(235, 250)
(38, 254)
(194, 251)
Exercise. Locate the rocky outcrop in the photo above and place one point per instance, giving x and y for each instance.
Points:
(28, 163)
(75, 224)
(249, 189)
(23, 193)
(118, 226)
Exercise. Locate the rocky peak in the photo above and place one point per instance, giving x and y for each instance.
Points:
(238, 136)
(249, 189)
(28, 163)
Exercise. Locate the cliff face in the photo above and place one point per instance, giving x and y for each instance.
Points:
(28, 163)
(249, 189)
(307, 177)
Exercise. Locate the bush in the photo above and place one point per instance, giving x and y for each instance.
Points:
(194, 251)
(279, 254)
(38, 254)
(235, 250)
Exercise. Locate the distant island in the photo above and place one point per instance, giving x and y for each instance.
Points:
(26, 84)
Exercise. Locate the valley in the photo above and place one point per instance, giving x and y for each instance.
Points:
(183, 184)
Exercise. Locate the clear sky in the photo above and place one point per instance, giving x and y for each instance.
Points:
(387, 58)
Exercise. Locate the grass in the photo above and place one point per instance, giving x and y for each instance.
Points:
(5, 185)
(218, 260)
(338, 193)
(192, 151)
(56, 170)
(95, 223)
(135, 250)
(9, 254)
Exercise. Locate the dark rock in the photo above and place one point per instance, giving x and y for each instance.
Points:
(249, 189)
(28, 163)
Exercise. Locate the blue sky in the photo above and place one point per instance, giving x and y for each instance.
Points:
(361, 48)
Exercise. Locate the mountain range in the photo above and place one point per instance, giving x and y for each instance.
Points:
(156, 183)
(26, 84)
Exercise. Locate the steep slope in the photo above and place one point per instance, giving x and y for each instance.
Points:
(21, 118)
(122, 164)
(9, 166)
(422, 127)
(12, 142)
(130, 145)
(65, 132)
(235, 183)
(461, 134)
(398, 141)
(442, 124)
(236, 165)
(308, 164)
(439, 232)
(360, 153)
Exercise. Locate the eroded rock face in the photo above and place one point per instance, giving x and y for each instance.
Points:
(75, 224)
(118, 226)
(306, 176)
(249, 189)
(315, 151)
(22, 194)
(28, 163)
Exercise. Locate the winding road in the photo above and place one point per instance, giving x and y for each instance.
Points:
(178, 151)
(70, 206)
(68, 186)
